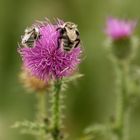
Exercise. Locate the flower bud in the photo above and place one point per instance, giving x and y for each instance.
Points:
(120, 32)
(33, 83)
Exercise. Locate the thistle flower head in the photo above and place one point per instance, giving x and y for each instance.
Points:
(119, 29)
(46, 59)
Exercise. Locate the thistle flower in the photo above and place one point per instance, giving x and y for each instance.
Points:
(122, 40)
(32, 83)
(46, 59)
(118, 29)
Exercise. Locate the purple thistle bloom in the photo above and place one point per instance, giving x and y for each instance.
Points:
(118, 29)
(46, 59)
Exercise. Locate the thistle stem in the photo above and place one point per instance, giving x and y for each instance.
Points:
(41, 114)
(122, 103)
(41, 106)
(56, 110)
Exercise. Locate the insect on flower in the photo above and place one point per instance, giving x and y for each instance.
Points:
(69, 36)
(30, 36)
(56, 51)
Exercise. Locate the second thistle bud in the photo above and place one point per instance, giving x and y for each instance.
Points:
(120, 32)
(122, 48)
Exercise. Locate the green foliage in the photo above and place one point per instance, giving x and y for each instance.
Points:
(94, 94)
(27, 127)
(97, 130)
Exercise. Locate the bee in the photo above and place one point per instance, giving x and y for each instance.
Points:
(69, 36)
(30, 36)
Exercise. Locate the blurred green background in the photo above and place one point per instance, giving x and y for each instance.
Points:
(92, 98)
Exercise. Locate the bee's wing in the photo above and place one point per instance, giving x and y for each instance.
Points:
(25, 38)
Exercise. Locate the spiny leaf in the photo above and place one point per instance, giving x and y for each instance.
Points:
(30, 127)
(74, 77)
(96, 130)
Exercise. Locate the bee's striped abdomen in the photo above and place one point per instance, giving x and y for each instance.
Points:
(67, 45)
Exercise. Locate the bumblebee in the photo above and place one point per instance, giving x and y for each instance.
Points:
(30, 36)
(69, 36)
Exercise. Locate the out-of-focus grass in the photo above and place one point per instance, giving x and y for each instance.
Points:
(92, 98)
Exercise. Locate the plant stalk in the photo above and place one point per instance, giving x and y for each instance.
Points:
(122, 102)
(56, 111)
(41, 115)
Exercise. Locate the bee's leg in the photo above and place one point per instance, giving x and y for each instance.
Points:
(77, 43)
(39, 36)
(77, 33)
(60, 37)
(58, 41)
(58, 28)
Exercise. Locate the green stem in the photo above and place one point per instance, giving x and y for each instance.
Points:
(122, 102)
(41, 114)
(41, 107)
(56, 111)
